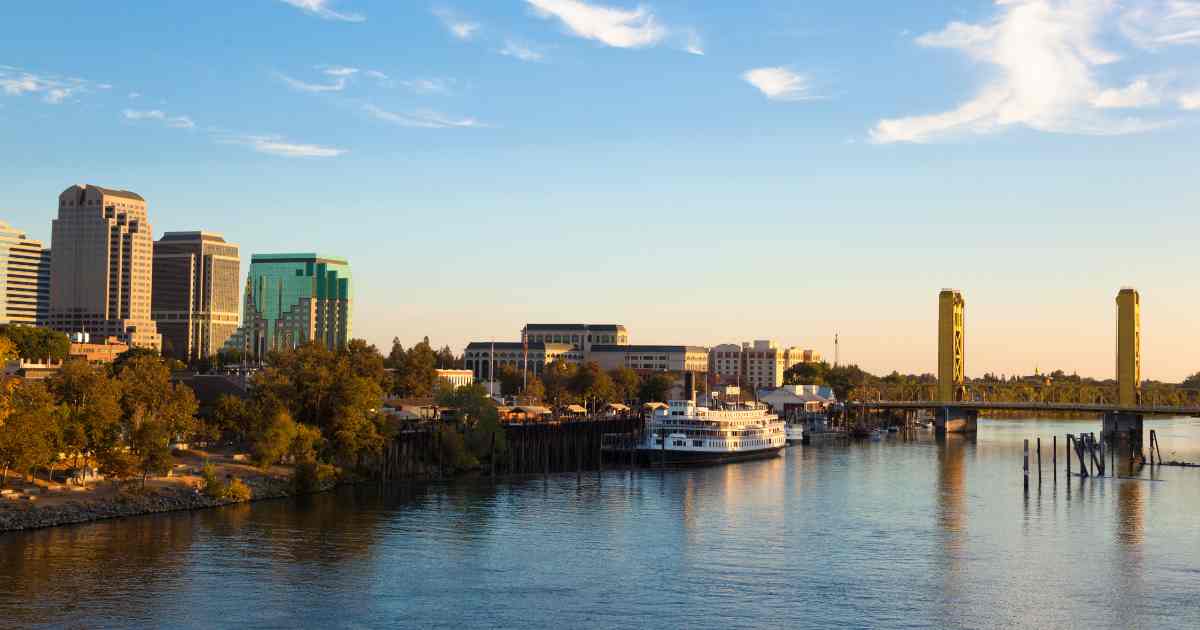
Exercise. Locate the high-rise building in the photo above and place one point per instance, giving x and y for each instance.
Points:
(195, 299)
(294, 299)
(24, 278)
(760, 365)
(100, 271)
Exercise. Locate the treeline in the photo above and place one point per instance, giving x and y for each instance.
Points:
(414, 375)
(33, 344)
(121, 419)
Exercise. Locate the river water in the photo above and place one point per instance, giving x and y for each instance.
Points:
(910, 532)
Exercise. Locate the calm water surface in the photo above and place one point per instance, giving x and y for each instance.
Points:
(906, 533)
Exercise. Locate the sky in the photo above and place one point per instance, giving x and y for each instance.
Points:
(702, 172)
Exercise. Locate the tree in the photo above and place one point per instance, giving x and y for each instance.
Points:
(29, 430)
(365, 361)
(534, 389)
(446, 359)
(37, 344)
(415, 375)
(511, 380)
(91, 402)
(8, 350)
(1191, 382)
(395, 358)
(232, 417)
(132, 354)
(806, 374)
(556, 378)
(590, 383)
(626, 383)
(157, 412)
(656, 387)
(274, 439)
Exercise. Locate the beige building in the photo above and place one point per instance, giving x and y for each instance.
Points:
(651, 358)
(478, 356)
(24, 278)
(760, 365)
(100, 273)
(581, 336)
(196, 293)
(455, 378)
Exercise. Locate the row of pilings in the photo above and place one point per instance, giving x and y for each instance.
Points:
(573, 445)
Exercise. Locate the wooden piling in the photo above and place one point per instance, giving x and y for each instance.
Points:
(1067, 447)
(1054, 457)
(1025, 466)
(1039, 460)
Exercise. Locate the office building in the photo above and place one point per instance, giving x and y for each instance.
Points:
(453, 379)
(581, 336)
(757, 365)
(478, 356)
(24, 278)
(195, 297)
(651, 358)
(101, 267)
(294, 299)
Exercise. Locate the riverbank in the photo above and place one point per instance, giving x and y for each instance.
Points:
(34, 505)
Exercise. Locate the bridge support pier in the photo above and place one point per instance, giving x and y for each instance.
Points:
(1123, 430)
(954, 420)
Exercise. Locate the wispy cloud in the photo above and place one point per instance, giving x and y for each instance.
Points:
(380, 78)
(1161, 23)
(694, 45)
(338, 84)
(1045, 53)
(277, 145)
(176, 122)
(517, 50)
(425, 119)
(458, 26)
(323, 9)
(1140, 93)
(1190, 101)
(53, 90)
(612, 26)
(429, 86)
(780, 84)
(338, 71)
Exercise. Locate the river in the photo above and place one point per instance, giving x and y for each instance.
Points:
(905, 533)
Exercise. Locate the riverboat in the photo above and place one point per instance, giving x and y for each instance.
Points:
(686, 433)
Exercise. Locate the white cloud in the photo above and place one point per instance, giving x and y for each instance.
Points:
(54, 90)
(616, 27)
(460, 28)
(429, 86)
(322, 9)
(520, 51)
(275, 145)
(1045, 53)
(694, 45)
(337, 86)
(1161, 23)
(1140, 93)
(1190, 101)
(338, 71)
(780, 84)
(175, 122)
(380, 78)
(425, 119)
(133, 95)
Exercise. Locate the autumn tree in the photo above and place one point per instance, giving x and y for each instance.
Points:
(156, 410)
(91, 402)
(29, 428)
(626, 383)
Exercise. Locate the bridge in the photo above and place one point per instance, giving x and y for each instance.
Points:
(955, 411)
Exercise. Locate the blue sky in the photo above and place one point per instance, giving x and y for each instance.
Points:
(702, 172)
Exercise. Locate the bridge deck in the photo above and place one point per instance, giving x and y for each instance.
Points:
(1027, 406)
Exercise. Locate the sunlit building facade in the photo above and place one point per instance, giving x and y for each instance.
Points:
(195, 305)
(294, 299)
(24, 278)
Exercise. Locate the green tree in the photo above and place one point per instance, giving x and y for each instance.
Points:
(556, 378)
(274, 439)
(511, 380)
(91, 402)
(656, 387)
(131, 355)
(591, 384)
(415, 375)
(157, 412)
(37, 344)
(447, 361)
(365, 361)
(626, 383)
(29, 432)
(534, 389)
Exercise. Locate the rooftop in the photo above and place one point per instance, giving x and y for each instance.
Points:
(298, 257)
(517, 345)
(647, 348)
(580, 327)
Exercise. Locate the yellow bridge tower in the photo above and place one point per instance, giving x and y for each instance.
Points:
(1129, 348)
(951, 347)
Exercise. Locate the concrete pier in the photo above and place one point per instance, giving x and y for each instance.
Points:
(1120, 425)
(956, 420)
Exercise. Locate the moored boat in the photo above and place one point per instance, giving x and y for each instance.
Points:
(686, 433)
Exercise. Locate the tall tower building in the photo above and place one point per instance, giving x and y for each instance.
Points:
(100, 273)
(1129, 348)
(24, 278)
(195, 297)
(951, 346)
(294, 299)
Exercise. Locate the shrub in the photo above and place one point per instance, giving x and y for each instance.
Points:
(309, 476)
(234, 490)
(237, 490)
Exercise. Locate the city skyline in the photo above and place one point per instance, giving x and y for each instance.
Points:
(489, 165)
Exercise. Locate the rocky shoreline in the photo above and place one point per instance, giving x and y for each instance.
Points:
(16, 517)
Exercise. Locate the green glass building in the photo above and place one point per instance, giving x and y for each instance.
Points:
(294, 299)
